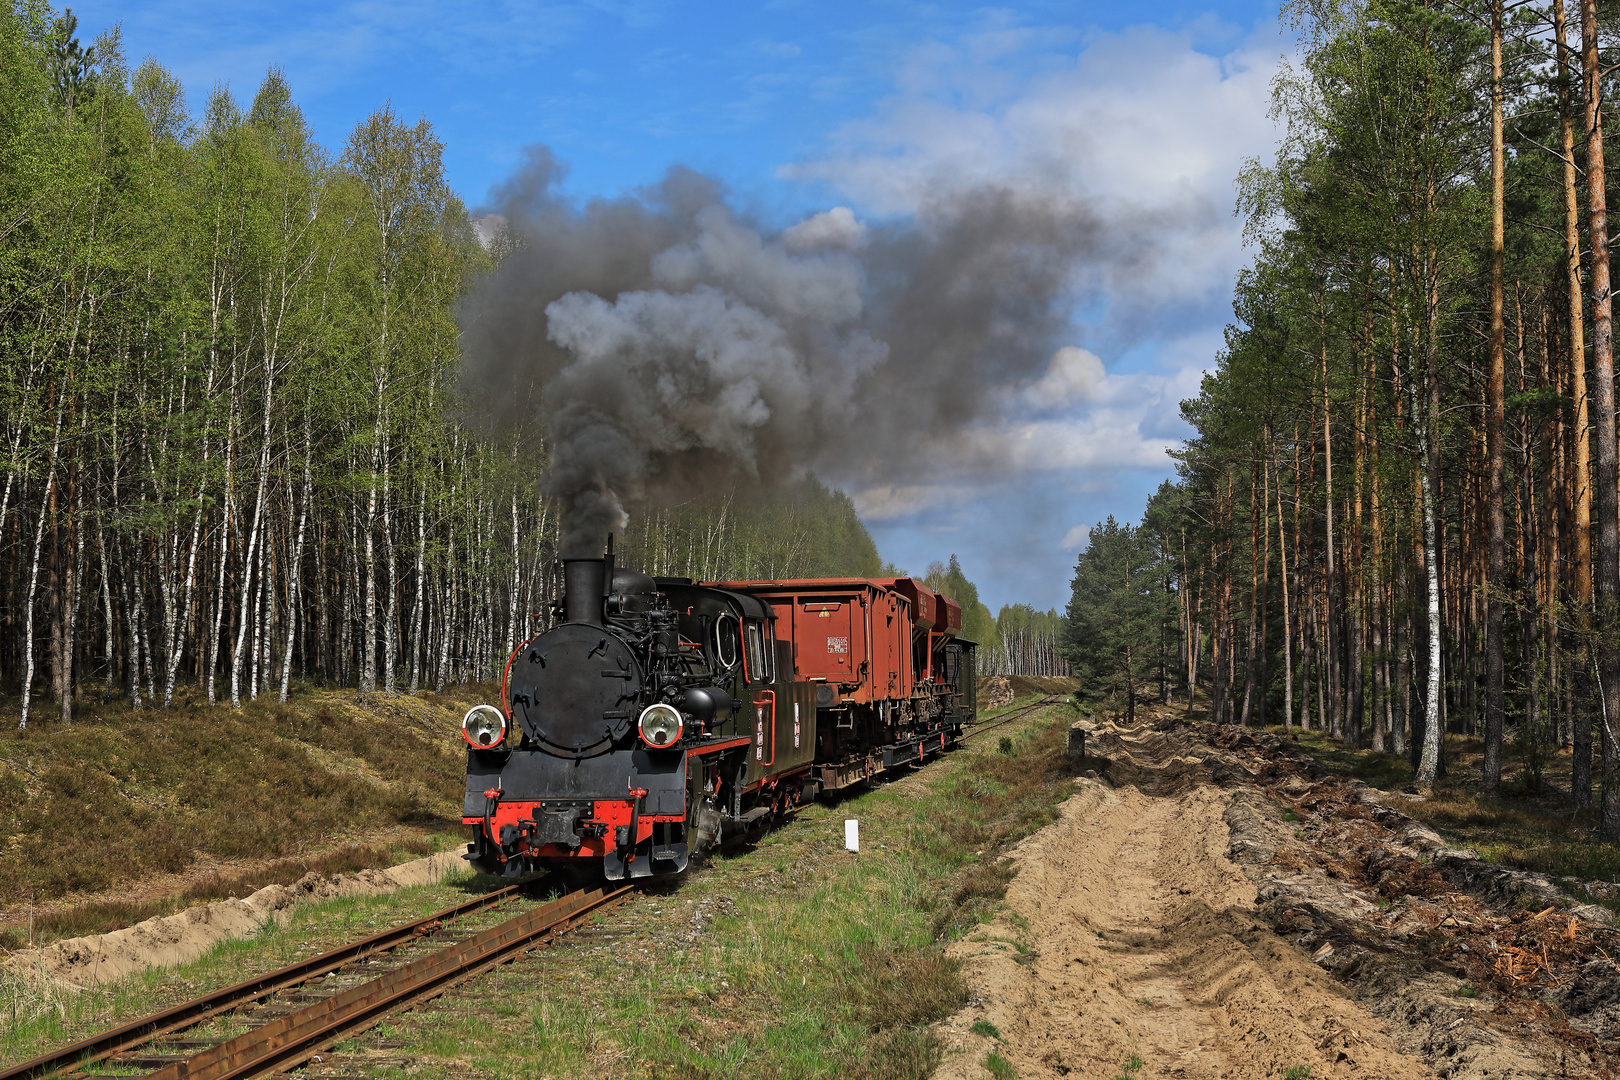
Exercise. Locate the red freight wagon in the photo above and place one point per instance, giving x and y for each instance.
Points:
(923, 601)
(875, 650)
(850, 636)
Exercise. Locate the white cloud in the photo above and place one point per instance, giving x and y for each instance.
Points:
(1139, 118)
(1144, 132)
(1138, 127)
(1094, 425)
(1072, 375)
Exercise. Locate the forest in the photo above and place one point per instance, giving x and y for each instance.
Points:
(237, 453)
(1399, 514)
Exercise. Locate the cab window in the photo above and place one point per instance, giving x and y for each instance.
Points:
(759, 663)
(725, 641)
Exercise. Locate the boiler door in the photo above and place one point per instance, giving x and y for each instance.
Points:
(575, 689)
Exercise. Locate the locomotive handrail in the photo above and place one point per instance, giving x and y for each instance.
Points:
(506, 704)
(758, 701)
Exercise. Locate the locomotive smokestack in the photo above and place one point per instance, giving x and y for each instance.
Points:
(584, 583)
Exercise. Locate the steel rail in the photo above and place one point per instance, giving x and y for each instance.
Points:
(294, 1038)
(187, 1013)
(991, 725)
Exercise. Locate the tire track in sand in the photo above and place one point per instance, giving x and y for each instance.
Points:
(1129, 932)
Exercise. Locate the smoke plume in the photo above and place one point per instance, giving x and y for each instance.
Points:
(670, 344)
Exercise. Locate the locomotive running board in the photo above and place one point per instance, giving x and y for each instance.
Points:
(726, 744)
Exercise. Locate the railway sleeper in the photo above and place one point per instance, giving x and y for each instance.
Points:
(144, 1060)
(163, 1045)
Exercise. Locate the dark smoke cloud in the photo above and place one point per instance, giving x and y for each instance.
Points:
(668, 343)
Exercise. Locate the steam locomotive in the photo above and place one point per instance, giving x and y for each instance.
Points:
(662, 717)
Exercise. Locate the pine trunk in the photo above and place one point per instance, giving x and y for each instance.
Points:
(1494, 419)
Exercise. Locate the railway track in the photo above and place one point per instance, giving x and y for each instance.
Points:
(1005, 718)
(294, 1036)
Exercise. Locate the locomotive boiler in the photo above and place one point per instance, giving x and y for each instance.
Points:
(661, 717)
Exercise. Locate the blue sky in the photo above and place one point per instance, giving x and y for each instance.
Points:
(801, 106)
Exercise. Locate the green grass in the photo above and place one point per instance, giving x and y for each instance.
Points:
(1129, 1068)
(103, 916)
(1015, 703)
(999, 1067)
(985, 1028)
(1297, 1072)
(1026, 691)
(1388, 771)
(1527, 835)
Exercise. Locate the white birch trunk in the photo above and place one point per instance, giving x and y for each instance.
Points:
(33, 583)
(421, 592)
(368, 659)
(517, 575)
(219, 592)
(132, 620)
(253, 556)
(294, 574)
(33, 573)
(106, 597)
(1430, 762)
(175, 626)
(390, 609)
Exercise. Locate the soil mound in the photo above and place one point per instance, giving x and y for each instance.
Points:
(176, 939)
(1130, 934)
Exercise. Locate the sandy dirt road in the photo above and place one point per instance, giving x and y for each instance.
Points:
(1154, 931)
(1130, 933)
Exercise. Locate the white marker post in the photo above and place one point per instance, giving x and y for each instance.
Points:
(852, 834)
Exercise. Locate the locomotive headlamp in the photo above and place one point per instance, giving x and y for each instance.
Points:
(660, 725)
(483, 727)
